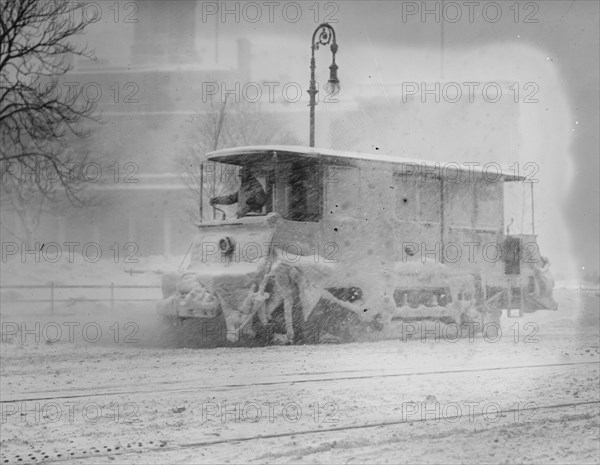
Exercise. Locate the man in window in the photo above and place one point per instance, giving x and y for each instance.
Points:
(250, 197)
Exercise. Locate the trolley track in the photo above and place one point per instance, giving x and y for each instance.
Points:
(188, 386)
(61, 456)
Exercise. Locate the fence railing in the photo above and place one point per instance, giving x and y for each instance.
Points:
(52, 287)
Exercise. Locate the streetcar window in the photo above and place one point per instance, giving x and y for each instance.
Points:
(418, 199)
(430, 199)
(406, 198)
(342, 190)
(222, 181)
(488, 202)
(460, 203)
(296, 193)
(291, 185)
(303, 192)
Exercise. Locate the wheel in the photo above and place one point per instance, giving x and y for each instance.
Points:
(330, 323)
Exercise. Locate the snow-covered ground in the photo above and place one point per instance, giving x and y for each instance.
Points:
(70, 273)
(529, 397)
(80, 269)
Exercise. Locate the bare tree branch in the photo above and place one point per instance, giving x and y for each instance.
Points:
(224, 124)
(38, 122)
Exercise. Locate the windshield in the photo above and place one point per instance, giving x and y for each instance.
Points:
(291, 188)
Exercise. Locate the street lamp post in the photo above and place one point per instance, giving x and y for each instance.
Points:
(323, 35)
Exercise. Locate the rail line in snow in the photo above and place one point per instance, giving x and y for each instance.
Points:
(188, 386)
(105, 451)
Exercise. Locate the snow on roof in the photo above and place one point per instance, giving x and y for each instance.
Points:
(236, 154)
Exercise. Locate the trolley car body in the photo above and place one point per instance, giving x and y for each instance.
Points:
(353, 242)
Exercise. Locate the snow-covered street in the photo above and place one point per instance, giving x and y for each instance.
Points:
(530, 396)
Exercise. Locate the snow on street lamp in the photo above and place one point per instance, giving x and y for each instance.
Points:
(323, 35)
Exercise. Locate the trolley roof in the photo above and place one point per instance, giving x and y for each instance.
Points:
(264, 154)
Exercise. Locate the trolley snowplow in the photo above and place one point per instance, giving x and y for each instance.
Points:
(244, 284)
(344, 245)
